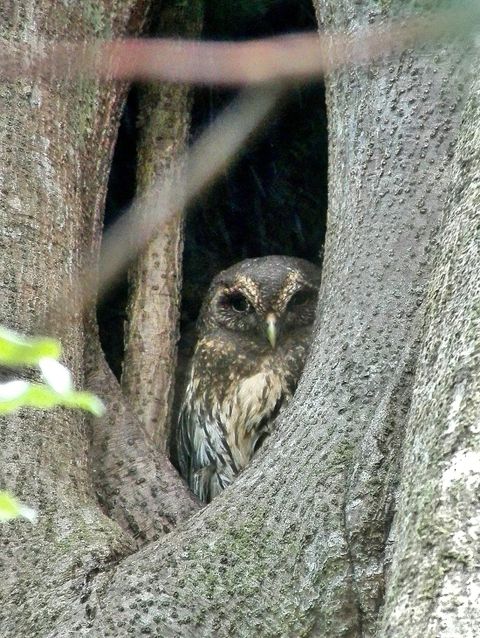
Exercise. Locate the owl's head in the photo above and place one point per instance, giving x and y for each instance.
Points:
(267, 299)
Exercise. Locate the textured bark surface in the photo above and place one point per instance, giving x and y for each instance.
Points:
(298, 546)
(55, 148)
(136, 485)
(312, 514)
(151, 342)
(435, 575)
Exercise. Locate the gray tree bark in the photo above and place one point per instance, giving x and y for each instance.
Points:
(148, 374)
(435, 574)
(302, 543)
(55, 149)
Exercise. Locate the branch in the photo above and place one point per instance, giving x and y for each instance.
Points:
(136, 484)
(148, 372)
(277, 59)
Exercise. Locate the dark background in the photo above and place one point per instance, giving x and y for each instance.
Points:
(273, 200)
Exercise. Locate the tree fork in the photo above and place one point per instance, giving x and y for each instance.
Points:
(297, 545)
(301, 538)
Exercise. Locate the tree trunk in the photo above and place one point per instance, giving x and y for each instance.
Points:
(148, 375)
(56, 143)
(301, 543)
(435, 575)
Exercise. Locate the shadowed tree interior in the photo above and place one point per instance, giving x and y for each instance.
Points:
(271, 201)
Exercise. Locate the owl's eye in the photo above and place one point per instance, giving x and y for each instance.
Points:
(301, 297)
(238, 302)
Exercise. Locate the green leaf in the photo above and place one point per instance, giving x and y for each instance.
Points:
(86, 401)
(18, 394)
(11, 508)
(17, 350)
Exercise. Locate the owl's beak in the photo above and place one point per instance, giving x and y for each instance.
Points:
(272, 329)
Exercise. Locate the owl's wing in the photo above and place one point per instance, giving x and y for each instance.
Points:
(204, 456)
(185, 449)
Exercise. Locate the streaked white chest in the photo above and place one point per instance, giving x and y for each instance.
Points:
(248, 410)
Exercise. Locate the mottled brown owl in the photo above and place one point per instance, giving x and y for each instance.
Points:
(253, 334)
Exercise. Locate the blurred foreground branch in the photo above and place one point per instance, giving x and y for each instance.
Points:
(282, 58)
(214, 150)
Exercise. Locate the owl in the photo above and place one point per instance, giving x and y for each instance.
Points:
(253, 332)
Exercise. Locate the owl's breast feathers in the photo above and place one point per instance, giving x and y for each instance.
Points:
(229, 407)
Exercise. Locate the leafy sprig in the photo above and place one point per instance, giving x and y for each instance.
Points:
(43, 353)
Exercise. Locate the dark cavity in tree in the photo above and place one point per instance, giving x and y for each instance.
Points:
(112, 309)
(273, 200)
